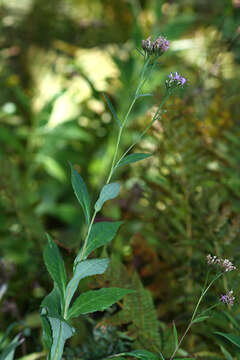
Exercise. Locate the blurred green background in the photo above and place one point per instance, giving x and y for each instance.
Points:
(56, 59)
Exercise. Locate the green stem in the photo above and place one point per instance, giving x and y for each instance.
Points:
(195, 312)
(145, 130)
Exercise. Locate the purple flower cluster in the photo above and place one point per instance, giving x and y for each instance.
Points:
(157, 47)
(226, 264)
(175, 80)
(228, 298)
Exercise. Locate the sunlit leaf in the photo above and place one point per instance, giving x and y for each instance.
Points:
(128, 159)
(108, 192)
(82, 270)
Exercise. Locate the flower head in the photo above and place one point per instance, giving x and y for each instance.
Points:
(157, 47)
(228, 298)
(175, 80)
(226, 264)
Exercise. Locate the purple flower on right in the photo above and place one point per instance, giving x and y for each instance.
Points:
(175, 80)
(228, 298)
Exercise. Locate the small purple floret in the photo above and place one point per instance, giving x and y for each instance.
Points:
(175, 80)
(228, 298)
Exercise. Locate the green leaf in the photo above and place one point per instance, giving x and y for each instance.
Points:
(55, 265)
(200, 319)
(8, 353)
(82, 270)
(112, 109)
(101, 233)
(109, 191)
(142, 354)
(97, 300)
(234, 339)
(227, 355)
(47, 331)
(61, 331)
(175, 334)
(81, 192)
(143, 95)
(132, 158)
(53, 302)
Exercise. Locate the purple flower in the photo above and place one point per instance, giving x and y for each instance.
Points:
(175, 80)
(157, 47)
(228, 298)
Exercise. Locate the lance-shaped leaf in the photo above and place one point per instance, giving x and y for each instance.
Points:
(234, 339)
(8, 353)
(55, 264)
(142, 354)
(102, 233)
(61, 331)
(82, 270)
(109, 191)
(53, 302)
(47, 331)
(132, 158)
(81, 192)
(97, 300)
(112, 109)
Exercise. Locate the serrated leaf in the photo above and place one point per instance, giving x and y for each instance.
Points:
(112, 109)
(142, 354)
(102, 233)
(81, 192)
(61, 331)
(234, 339)
(82, 270)
(132, 158)
(96, 300)
(200, 319)
(55, 265)
(108, 192)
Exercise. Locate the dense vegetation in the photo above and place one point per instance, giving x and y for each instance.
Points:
(57, 58)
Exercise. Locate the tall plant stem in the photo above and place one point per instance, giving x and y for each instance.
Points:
(141, 82)
(205, 289)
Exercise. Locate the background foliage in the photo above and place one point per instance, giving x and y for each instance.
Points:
(56, 59)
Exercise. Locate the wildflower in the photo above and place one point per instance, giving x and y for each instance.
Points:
(228, 298)
(175, 80)
(226, 264)
(157, 47)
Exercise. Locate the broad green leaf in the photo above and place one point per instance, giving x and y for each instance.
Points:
(97, 300)
(61, 331)
(112, 109)
(200, 319)
(55, 265)
(109, 191)
(82, 270)
(81, 192)
(53, 302)
(175, 334)
(8, 353)
(142, 354)
(132, 158)
(102, 233)
(234, 339)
